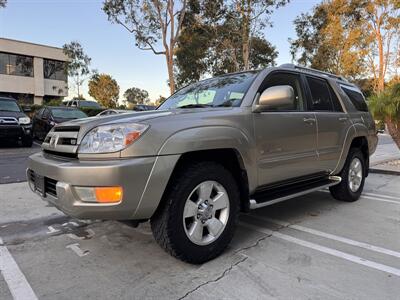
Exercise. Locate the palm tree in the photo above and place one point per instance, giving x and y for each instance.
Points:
(385, 106)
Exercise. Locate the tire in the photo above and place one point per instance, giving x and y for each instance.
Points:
(345, 190)
(172, 230)
(27, 141)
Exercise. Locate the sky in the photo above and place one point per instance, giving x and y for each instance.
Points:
(111, 47)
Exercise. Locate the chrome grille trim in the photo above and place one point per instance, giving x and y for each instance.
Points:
(8, 121)
(61, 140)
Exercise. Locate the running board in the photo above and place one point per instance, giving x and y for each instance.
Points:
(292, 192)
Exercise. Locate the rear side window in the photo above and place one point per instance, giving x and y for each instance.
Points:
(322, 96)
(356, 98)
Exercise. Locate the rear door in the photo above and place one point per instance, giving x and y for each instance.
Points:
(286, 138)
(332, 122)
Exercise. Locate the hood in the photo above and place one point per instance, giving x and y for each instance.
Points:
(87, 124)
(14, 114)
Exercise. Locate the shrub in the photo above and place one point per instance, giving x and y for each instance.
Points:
(386, 107)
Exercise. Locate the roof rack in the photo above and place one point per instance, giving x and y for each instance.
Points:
(313, 71)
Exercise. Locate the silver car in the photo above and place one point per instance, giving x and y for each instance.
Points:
(217, 147)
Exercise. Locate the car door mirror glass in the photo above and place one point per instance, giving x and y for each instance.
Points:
(276, 98)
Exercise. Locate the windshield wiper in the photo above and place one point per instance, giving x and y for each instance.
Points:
(195, 106)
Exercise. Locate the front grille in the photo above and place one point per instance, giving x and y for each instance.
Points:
(67, 141)
(50, 186)
(62, 142)
(31, 176)
(60, 154)
(8, 121)
(66, 129)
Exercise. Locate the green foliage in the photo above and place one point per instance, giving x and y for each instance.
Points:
(135, 96)
(330, 38)
(216, 38)
(53, 102)
(78, 64)
(104, 89)
(386, 105)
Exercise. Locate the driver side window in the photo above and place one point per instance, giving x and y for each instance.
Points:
(290, 79)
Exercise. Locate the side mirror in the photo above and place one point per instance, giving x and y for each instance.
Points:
(26, 109)
(280, 97)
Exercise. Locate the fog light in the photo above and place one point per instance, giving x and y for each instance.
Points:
(99, 194)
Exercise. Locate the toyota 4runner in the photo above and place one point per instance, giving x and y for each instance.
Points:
(214, 148)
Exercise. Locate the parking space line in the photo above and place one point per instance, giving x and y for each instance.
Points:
(331, 236)
(15, 279)
(380, 199)
(374, 198)
(381, 196)
(330, 251)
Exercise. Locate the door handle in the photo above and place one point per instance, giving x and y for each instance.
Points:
(309, 120)
(343, 119)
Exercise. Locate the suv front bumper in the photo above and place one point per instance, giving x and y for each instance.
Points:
(61, 176)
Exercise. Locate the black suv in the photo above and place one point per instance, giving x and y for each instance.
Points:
(15, 125)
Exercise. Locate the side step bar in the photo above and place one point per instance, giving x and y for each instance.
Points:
(292, 192)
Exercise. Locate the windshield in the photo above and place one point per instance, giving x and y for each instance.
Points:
(65, 113)
(9, 105)
(89, 104)
(224, 91)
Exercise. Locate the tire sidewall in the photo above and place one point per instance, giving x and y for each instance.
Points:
(354, 154)
(175, 221)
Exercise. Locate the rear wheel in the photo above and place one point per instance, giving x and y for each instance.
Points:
(353, 177)
(197, 219)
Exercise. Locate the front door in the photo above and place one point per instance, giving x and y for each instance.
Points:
(287, 138)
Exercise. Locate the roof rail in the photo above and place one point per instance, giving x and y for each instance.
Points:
(310, 70)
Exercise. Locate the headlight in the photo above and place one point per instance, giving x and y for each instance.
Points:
(24, 120)
(111, 138)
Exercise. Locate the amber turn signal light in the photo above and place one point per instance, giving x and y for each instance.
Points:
(108, 194)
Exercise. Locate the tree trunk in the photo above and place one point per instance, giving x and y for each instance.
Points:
(381, 76)
(394, 130)
(246, 15)
(171, 78)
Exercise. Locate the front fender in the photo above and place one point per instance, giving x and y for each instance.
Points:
(215, 137)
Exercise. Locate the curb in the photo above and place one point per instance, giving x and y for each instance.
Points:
(384, 172)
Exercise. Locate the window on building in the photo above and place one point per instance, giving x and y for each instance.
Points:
(54, 69)
(14, 64)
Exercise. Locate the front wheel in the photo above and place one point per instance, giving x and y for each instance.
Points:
(27, 141)
(199, 212)
(353, 177)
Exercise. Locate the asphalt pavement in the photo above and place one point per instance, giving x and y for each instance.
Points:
(14, 161)
(311, 247)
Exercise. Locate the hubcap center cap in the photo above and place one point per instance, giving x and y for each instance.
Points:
(205, 212)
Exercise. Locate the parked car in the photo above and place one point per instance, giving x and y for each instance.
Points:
(47, 117)
(223, 145)
(15, 125)
(108, 112)
(143, 107)
(82, 104)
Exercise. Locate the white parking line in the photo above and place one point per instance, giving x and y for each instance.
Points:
(374, 198)
(331, 236)
(15, 279)
(382, 196)
(330, 251)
